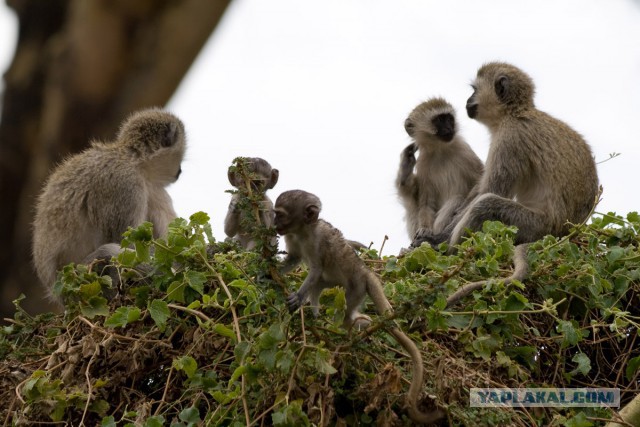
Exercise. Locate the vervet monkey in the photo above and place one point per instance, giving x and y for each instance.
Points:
(540, 174)
(261, 177)
(445, 172)
(92, 197)
(332, 262)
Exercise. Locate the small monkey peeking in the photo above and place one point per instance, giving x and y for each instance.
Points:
(332, 261)
(92, 197)
(260, 177)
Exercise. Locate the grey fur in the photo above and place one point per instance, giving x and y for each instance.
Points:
(445, 171)
(92, 197)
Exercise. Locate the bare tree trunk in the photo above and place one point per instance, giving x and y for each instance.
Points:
(80, 67)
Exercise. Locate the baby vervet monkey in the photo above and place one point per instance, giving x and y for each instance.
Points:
(332, 261)
(255, 175)
(91, 198)
(434, 187)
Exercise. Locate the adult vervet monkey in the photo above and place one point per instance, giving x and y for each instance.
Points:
(540, 174)
(91, 198)
(434, 187)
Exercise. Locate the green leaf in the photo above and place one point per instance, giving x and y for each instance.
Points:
(584, 364)
(237, 373)
(570, 335)
(190, 415)
(322, 364)
(176, 292)
(615, 253)
(155, 421)
(159, 312)
(96, 306)
(187, 364)
(108, 422)
(440, 303)
(89, 290)
(579, 420)
(199, 218)
(484, 345)
(224, 331)
(462, 321)
(632, 367)
(196, 280)
(271, 337)
(122, 317)
(515, 302)
(284, 361)
(242, 350)
(127, 258)
(633, 217)
(268, 358)
(437, 320)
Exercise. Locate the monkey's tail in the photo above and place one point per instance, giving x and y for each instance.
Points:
(520, 271)
(416, 382)
(376, 293)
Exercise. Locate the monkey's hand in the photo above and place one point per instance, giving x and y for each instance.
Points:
(407, 163)
(294, 301)
(426, 235)
(410, 151)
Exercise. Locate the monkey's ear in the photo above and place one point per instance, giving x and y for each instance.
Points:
(311, 213)
(169, 138)
(275, 174)
(502, 87)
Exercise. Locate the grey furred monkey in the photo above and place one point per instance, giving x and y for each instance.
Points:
(540, 174)
(434, 187)
(92, 197)
(332, 261)
(262, 178)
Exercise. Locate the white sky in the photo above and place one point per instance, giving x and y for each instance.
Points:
(321, 89)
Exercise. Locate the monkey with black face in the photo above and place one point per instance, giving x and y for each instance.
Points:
(332, 262)
(262, 177)
(92, 197)
(540, 174)
(445, 172)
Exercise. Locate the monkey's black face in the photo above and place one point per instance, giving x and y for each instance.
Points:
(445, 126)
(472, 106)
(282, 222)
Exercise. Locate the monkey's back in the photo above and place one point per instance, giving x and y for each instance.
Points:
(66, 208)
(339, 260)
(557, 172)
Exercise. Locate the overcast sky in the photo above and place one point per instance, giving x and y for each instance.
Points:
(321, 89)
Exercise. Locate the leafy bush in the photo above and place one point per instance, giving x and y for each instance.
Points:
(201, 334)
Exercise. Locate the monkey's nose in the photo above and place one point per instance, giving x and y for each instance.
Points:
(472, 110)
